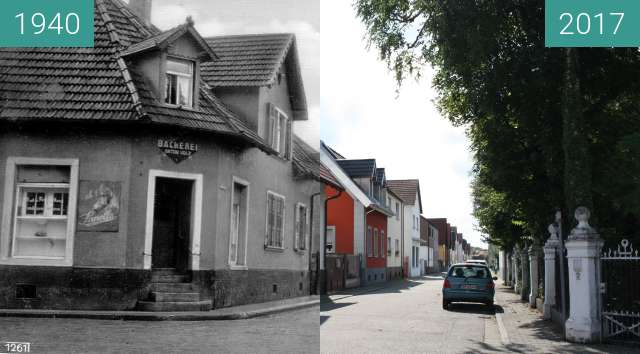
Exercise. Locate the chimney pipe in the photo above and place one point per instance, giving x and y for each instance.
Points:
(142, 8)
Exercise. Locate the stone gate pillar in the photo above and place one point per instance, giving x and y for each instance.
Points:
(550, 249)
(533, 275)
(583, 252)
(524, 292)
(516, 282)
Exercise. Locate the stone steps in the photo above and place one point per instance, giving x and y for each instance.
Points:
(172, 291)
(170, 306)
(173, 297)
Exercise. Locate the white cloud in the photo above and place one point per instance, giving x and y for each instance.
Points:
(362, 117)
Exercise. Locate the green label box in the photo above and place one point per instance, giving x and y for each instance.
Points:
(46, 23)
(592, 23)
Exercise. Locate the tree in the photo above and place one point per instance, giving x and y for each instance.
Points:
(534, 139)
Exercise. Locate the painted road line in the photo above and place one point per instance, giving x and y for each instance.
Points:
(504, 336)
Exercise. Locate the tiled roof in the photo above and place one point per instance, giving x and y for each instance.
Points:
(405, 189)
(96, 83)
(254, 61)
(358, 168)
(246, 60)
(380, 176)
(306, 161)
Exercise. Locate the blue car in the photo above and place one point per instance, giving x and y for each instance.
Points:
(468, 282)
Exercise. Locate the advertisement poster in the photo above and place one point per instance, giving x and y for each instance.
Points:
(99, 206)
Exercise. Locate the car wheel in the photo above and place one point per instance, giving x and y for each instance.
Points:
(445, 304)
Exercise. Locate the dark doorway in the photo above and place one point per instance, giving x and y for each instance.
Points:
(172, 223)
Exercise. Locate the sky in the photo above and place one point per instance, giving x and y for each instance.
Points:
(362, 116)
(224, 17)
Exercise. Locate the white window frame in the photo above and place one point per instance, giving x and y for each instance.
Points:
(196, 217)
(278, 128)
(305, 230)
(241, 233)
(333, 240)
(192, 77)
(284, 215)
(10, 203)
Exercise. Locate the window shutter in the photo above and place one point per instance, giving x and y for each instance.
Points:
(288, 137)
(271, 119)
(296, 228)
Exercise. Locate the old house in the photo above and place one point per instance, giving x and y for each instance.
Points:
(154, 171)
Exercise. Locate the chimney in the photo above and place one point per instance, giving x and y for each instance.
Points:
(142, 8)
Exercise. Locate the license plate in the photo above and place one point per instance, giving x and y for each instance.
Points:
(468, 287)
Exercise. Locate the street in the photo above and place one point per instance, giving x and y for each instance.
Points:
(289, 332)
(407, 317)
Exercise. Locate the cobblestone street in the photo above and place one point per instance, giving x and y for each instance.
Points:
(289, 332)
(407, 317)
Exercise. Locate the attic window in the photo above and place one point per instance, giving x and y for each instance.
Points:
(179, 85)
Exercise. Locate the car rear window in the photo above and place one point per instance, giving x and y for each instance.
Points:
(469, 271)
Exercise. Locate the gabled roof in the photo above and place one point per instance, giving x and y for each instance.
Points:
(166, 38)
(97, 84)
(407, 190)
(381, 177)
(368, 201)
(306, 163)
(359, 168)
(254, 61)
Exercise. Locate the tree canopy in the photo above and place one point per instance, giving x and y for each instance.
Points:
(495, 77)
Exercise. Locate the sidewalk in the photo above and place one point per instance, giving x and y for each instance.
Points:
(523, 330)
(228, 313)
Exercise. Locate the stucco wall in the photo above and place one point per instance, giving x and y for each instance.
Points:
(394, 228)
(102, 157)
(339, 215)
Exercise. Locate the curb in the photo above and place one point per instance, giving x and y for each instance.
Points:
(157, 316)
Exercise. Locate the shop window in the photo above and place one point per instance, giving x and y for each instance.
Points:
(301, 227)
(275, 221)
(238, 235)
(42, 212)
(179, 83)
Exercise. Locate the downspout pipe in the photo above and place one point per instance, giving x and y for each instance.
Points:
(314, 287)
(324, 244)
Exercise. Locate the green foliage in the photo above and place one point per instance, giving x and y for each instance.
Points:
(495, 77)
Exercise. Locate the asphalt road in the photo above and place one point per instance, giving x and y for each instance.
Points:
(406, 317)
(289, 332)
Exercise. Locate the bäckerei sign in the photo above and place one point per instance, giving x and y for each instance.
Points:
(177, 150)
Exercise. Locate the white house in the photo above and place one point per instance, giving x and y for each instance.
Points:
(409, 192)
(394, 237)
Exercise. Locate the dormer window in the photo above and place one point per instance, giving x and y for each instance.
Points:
(179, 85)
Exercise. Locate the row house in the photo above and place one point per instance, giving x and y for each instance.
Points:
(409, 192)
(444, 231)
(356, 223)
(395, 252)
(154, 171)
(429, 240)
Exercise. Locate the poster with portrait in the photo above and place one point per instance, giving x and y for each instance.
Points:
(99, 206)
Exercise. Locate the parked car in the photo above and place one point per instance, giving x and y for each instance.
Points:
(468, 282)
(477, 261)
